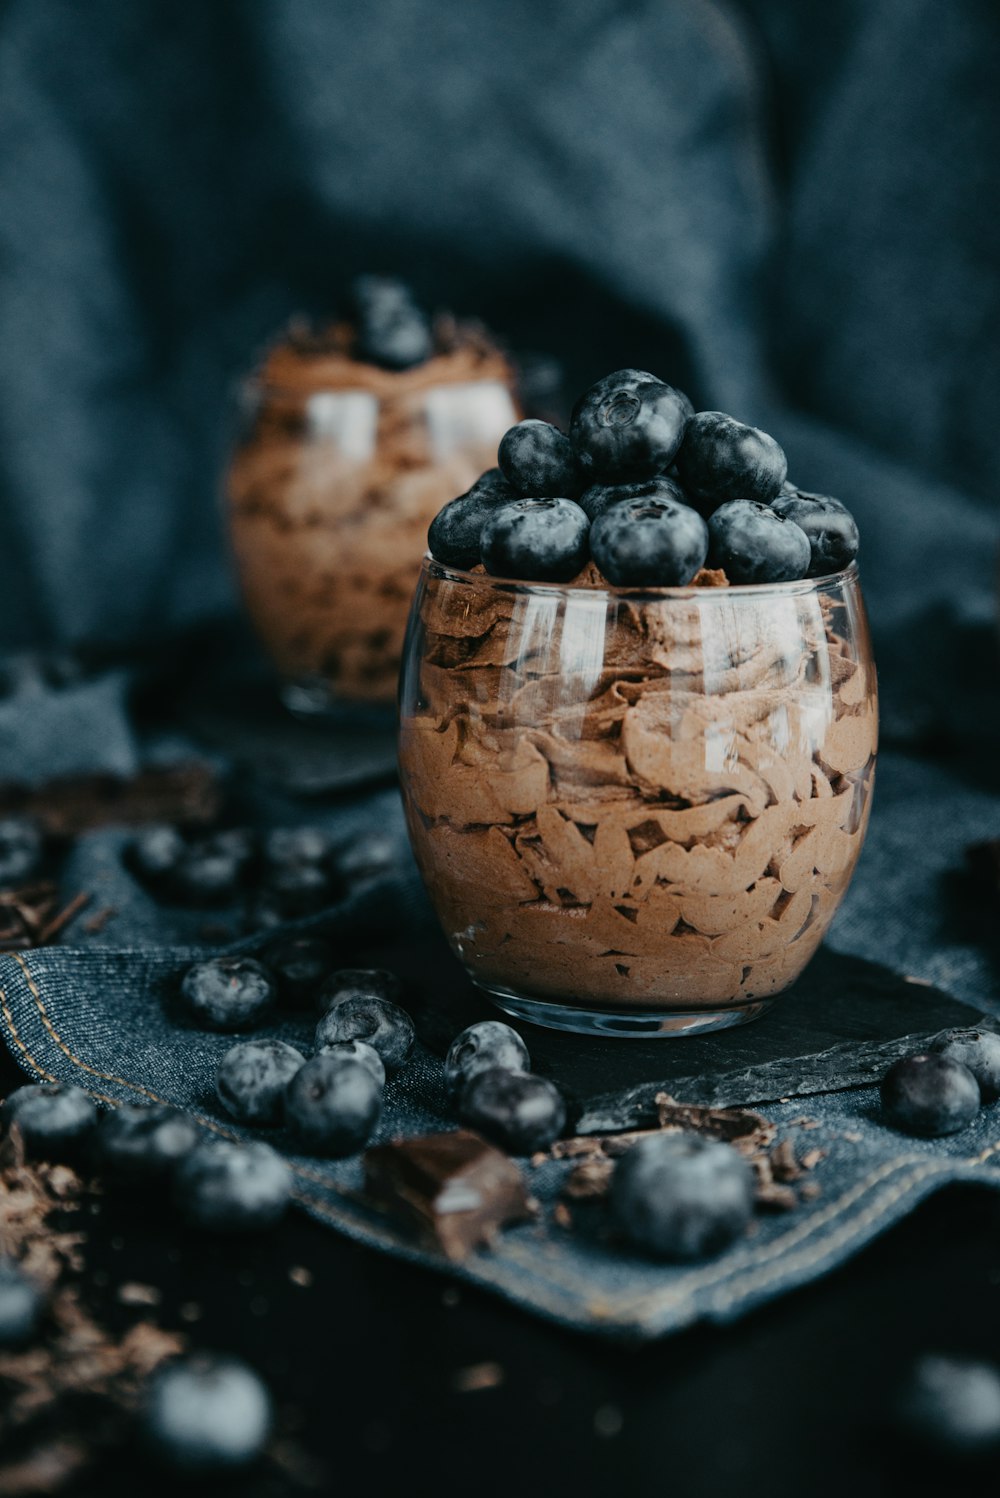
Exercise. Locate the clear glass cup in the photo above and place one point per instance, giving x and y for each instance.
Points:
(330, 491)
(636, 812)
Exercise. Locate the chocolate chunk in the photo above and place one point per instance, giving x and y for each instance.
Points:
(454, 1191)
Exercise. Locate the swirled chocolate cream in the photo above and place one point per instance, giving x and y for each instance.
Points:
(355, 437)
(620, 797)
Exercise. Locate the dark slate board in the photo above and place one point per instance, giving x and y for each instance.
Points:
(839, 1026)
(347, 750)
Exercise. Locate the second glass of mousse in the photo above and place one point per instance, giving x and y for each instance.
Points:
(637, 785)
(353, 438)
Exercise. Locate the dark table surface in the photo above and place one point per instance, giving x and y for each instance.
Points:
(368, 1360)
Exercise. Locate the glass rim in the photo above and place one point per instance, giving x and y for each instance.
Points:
(796, 588)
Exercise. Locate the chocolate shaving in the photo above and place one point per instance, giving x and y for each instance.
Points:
(588, 1179)
(74, 1361)
(784, 1166)
(745, 1131)
(774, 1165)
(562, 1216)
(190, 795)
(27, 917)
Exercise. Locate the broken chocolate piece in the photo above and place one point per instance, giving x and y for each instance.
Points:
(454, 1190)
(745, 1131)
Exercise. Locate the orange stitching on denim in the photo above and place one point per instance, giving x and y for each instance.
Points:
(208, 1123)
(15, 1037)
(717, 1273)
(104, 1076)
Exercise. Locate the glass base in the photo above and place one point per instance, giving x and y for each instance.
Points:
(643, 1024)
(311, 699)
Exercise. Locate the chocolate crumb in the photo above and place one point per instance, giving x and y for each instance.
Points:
(132, 1294)
(477, 1376)
(710, 577)
(589, 1179)
(784, 1165)
(562, 1216)
(811, 1158)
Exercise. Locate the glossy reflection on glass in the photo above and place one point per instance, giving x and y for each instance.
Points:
(636, 812)
(330, 495)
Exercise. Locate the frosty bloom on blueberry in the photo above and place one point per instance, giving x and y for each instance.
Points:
(537, 459)
(628, 431)
(721, 459)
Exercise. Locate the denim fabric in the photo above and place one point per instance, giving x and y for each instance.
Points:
(779, 207)
(98, 1019)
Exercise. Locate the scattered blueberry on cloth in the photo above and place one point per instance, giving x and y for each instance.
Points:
(97, 1018)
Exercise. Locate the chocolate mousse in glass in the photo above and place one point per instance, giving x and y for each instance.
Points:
(340, 467)
(636, 809)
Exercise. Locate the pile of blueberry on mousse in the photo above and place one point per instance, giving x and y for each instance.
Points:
(649, 490)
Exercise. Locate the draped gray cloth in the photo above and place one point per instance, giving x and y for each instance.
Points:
(787, 210)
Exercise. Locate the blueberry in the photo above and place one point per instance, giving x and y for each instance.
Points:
(252, 1078)
(489, 1043)
(600, 497)
(361, 1005)
(625, 432)
(392, 331)
(21, 849)
(681, 1196)
(206, 875)
(950, 1405)
(54, 1121)
(360, 1051)
(630, 379)
(828, 525)
(21, 1304)
(538, 459)
(333, 1104)
(292, 890)
(227, 993)
(144, 1141)
(620, 379)
(227, 1187)
(721, 458)
(206, 1414)
(540, 540)
(233, 842)
(929, 1094)
(299, 963)
(360, 982)
(295, 845)
(155, 853)
(979, 1050)
(368, 855)
(649, 543)
(455, 535)
(518, 1111)
(753, 544)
